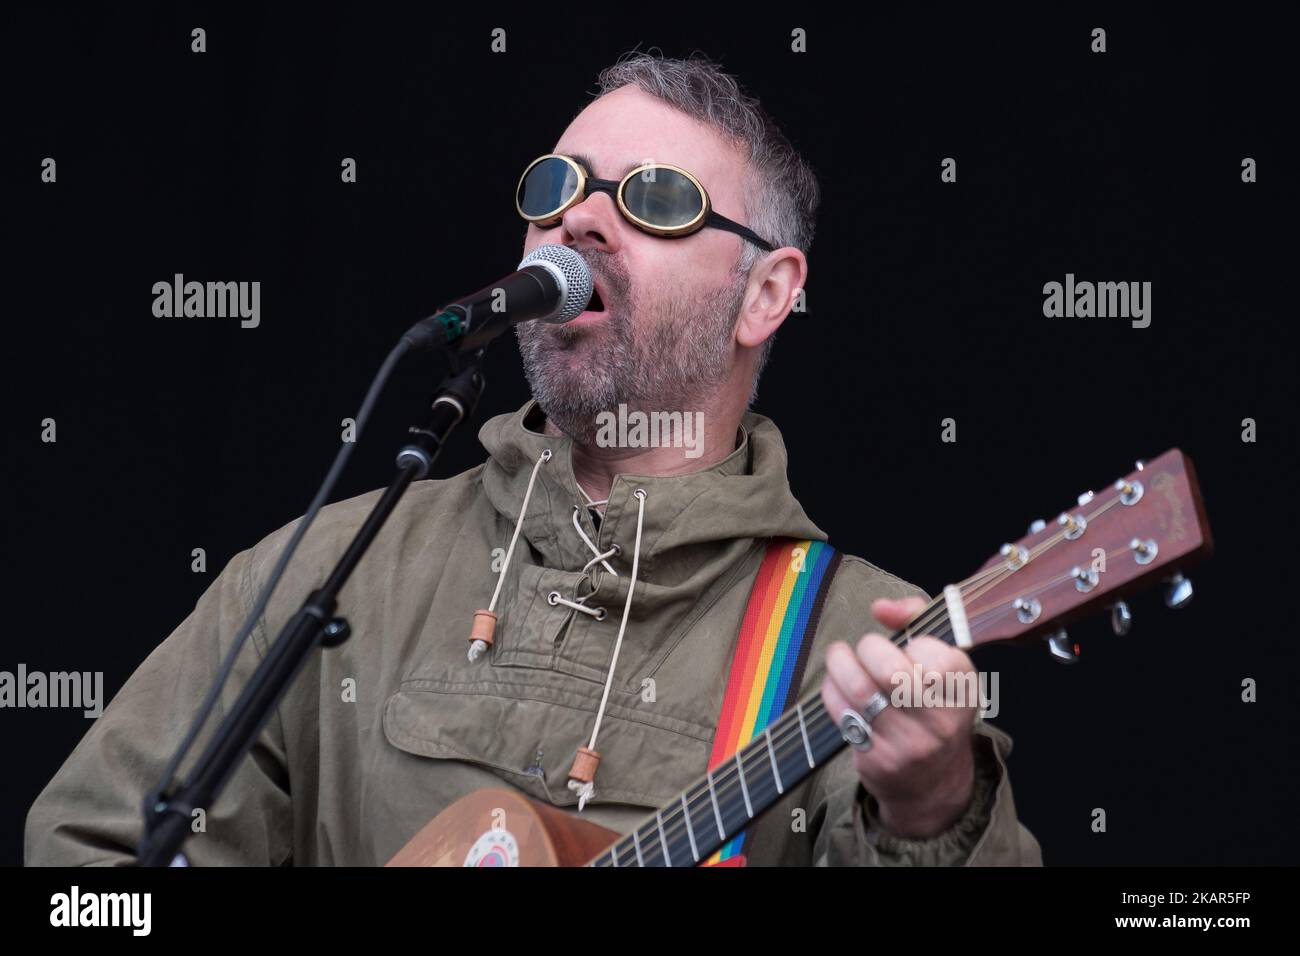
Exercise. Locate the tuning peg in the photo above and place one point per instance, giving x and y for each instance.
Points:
(1178, 592)
(1086, 497)
(1121, 618)
(1061, 649)
(1140, 464)
(1037, 526)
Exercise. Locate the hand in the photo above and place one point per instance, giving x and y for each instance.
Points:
(921, 765)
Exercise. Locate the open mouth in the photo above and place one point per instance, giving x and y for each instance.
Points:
(596, 304)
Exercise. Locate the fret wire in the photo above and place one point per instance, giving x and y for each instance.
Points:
(776, 771)
(663, 840)
(649, 846)
(713, 795)
(744, 787)
(690, 830)
(798, 708)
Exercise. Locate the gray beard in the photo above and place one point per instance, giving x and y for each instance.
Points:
(662, 355)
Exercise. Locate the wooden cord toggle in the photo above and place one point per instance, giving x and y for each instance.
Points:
(485, 623)
(585, 762)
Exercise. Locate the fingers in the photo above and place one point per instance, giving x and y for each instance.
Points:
(858, 673)
(930, 653)
(897, 669)
(888, 667)
(918, 742)
(834, 699)
(883, 660)
(845, 671)
(955, 678)
(855, 675)
(883, 751)
(896, 612)
(934, 655)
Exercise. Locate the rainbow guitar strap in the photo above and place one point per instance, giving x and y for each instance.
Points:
(771, 654)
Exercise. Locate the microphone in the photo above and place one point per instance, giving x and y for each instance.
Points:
(553, 284)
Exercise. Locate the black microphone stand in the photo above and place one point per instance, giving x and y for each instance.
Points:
(168, 816)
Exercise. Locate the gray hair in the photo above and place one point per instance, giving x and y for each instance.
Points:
(782, 195)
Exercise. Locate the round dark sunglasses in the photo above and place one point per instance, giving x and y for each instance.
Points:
(657, 198)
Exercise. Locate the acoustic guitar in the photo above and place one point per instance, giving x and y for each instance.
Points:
(1148, 526)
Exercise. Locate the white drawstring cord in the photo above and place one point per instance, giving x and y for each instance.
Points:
(477, 645)
(555, 598)
(591, 502)
(601, 556)
(585, 789)
(590, 544)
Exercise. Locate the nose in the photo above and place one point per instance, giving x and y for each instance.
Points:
(592, 223)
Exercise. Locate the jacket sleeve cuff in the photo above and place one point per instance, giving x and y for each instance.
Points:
(950, 848)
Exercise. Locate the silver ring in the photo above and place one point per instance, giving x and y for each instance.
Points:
(855, 727)
(876, 706)
(855, 730)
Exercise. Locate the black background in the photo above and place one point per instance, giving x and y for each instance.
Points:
(925, 301)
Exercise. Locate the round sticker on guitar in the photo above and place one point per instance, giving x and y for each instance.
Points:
(494, 848)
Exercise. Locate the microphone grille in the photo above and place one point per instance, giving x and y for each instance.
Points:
(572, 275)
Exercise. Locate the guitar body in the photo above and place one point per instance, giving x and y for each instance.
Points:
(498, 827)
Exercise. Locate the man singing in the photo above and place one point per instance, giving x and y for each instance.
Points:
(564, 618)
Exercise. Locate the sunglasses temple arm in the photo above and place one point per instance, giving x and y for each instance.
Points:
(719, 221)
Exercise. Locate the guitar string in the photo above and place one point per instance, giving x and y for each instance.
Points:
(1002, 608)
(927, 619)
(1037, 550)
(1054, 540)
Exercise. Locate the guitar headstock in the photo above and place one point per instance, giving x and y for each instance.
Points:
(1142, 529)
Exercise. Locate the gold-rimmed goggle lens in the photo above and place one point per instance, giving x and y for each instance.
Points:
(662, 199)
(547, 187)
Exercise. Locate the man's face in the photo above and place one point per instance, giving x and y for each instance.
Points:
(665, 340)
